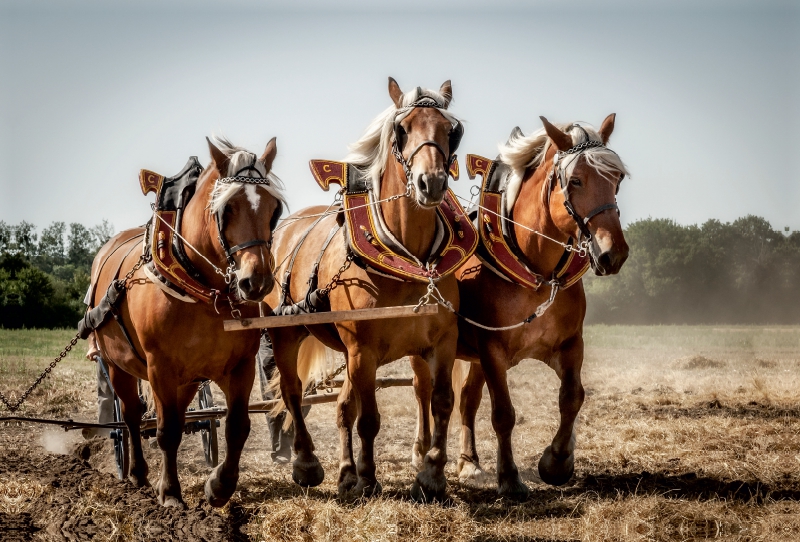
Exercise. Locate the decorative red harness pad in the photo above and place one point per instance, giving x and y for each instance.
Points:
(491, 228)
(162, 247)
(460, 241)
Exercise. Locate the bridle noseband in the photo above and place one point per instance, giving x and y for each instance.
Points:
(559, 173)
(455, 135)
(239, 178)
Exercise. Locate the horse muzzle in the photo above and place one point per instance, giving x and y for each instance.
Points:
(609, 261)
(430, 189)
(255, 287)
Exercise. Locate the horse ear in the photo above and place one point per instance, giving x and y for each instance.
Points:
(269, 154)
(395, 93)
(219, 158)
(607, 128)
(561, 140)
(446, 91)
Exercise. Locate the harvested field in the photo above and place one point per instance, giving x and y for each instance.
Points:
(687, 433)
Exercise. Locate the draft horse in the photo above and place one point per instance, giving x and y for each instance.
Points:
(405, 156)
(173, 336)
(559, 196)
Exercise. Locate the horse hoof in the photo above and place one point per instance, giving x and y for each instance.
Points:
(347, 481)
(554, 471)
(364, 489)
(218, 492)
(139, 480)
(172, 502)
(471, 473)
(308, 473)
(428, 489)
(513, 489)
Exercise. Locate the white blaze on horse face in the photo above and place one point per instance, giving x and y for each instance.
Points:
(251, 191)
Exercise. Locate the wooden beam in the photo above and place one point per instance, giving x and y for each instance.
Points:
(328, 317)
(388, 382)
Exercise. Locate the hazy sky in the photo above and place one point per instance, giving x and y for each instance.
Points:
(706, 93)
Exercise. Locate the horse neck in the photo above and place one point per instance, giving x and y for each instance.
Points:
(531, 210)
(200, 230)
(410, 224)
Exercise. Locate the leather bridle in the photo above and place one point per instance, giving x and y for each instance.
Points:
(559, 174)
(454, 139)
(238, 177)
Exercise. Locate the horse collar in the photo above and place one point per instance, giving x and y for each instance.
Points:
(498, 247)
(169, 264)
(375, 247)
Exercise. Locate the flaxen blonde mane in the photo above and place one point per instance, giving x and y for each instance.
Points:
(524, 152)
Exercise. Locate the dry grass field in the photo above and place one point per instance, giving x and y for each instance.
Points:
(687, 433)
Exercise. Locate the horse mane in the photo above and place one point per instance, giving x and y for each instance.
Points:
(523, 152)
(370, 152)
(238, 158)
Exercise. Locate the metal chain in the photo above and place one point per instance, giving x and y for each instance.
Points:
(435, 295)
(13, 407)
(327, 382)
(336, 278)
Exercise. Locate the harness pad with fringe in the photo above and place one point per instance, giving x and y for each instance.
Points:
(459, 238)
(498, 243)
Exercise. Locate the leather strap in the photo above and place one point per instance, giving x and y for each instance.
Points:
(255, 242)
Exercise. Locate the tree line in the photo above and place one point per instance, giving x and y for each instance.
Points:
(44, 276)
(740, 272)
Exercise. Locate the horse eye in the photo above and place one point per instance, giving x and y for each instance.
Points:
(402, 136)
(574, 181)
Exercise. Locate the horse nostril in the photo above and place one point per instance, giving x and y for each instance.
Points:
(605, 261)
(245, 285)
(423, 183)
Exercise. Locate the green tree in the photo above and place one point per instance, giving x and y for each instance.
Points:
(52, 251)
(81, 244)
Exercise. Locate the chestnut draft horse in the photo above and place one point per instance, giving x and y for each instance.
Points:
(178, 343)
(586, 176)
(406, 194)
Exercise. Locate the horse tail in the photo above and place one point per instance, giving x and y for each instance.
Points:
(460, 372)
(312, 361)
(146, 392)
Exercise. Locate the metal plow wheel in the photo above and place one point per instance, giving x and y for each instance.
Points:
(208, 428)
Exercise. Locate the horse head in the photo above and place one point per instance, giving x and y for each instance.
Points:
(425, 139)
(589, 176)
(245, 204)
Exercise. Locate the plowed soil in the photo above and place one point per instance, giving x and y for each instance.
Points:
(686, 434)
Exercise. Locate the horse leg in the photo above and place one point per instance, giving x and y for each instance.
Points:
(361, 371)
(171, 402)
(431, 483)
(557, 464)
(307, 471)
(223, 479)
(469, 467)
(126, 388)
(509, 483)
(346, 413)
(422, 390)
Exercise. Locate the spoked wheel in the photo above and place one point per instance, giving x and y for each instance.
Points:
(208, 433)
(121, 438)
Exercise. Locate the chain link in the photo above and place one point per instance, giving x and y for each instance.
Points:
(13, 407)
(335, 281)
(327, 382)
